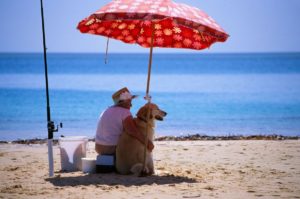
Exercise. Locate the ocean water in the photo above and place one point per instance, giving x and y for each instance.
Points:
(212, 94)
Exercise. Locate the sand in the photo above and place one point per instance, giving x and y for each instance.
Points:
(185, 169)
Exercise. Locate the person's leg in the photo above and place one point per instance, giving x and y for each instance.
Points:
(105, 149)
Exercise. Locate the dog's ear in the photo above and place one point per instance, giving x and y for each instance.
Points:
(142, 113)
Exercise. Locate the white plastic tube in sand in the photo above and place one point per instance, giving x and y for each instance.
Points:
(50, 157)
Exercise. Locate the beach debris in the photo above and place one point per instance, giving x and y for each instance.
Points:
(32, 141)
(226, 137)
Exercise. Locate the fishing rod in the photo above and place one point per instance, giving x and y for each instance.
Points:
(50, 124)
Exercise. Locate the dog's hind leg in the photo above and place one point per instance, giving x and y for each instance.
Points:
(137, 169)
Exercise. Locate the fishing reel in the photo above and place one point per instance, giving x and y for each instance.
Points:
(52, 128)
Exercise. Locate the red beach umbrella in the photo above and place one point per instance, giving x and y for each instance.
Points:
(159, 23)
(174, 25)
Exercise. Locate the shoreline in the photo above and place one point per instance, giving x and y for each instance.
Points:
(194, 137)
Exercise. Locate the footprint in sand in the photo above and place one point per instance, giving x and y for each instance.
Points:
(2, 154)
(11, 168)
(259, 195)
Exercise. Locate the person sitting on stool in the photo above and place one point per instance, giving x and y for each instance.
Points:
(114, 120)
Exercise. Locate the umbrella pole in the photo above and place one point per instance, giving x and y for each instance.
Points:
(50, 124)
(148, 98)
(106, 51)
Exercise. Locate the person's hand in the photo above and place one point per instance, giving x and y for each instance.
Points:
(150, 146)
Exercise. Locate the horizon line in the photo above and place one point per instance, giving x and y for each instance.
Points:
(200, 52)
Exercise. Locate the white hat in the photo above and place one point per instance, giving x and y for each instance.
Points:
(122, 94)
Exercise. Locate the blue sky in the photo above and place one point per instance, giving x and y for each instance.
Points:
(253, 25)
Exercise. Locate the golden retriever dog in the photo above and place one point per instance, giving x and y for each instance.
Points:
(130, 151)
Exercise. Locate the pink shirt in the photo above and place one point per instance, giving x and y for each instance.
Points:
(110, 125)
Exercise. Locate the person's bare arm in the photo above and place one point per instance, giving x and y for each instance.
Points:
(132, 130)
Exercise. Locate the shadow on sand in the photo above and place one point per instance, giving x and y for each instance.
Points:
(116, 179)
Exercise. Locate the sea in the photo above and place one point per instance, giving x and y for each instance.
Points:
(203, 93)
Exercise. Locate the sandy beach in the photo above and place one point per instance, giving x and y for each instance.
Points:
(184, 169)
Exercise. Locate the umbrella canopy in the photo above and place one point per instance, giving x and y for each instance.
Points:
(172, 25)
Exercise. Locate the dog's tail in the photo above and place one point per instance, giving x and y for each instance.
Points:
(137, 169)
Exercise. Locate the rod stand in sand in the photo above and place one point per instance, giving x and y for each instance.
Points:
(51, 130)
(50, 126)
(148, 98)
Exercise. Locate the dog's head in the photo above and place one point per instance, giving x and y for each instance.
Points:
(155, 112)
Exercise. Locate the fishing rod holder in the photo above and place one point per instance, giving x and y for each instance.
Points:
(51, 126)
